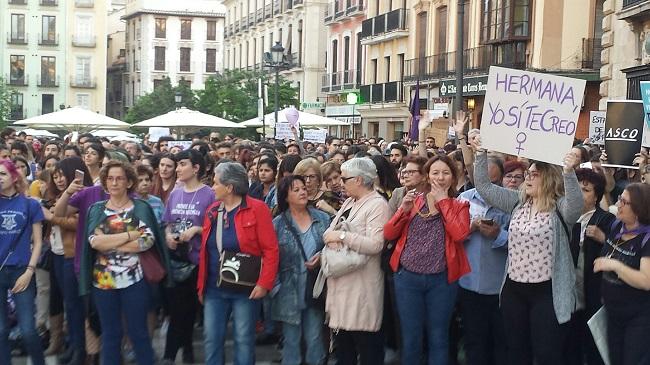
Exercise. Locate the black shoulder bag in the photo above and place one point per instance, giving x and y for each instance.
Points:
(312, 275)
(238, 271)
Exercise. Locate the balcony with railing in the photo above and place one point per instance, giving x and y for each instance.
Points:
(83, 82)
(17, 38)
(339, 10)
(251, 19)
(47, 81)
(236, 27)
(340, 81)
(48, 2)
(634, 10)
(259, 15)
(385, 27)
(268, 11)
(297, 2)
(84, 41)
(591, 49)
(389, 92)
(475, 61)
(17, 80)
(84, 3)
(277, 8)
(48, 39)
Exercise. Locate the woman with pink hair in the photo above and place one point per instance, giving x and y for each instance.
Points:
(20, 226)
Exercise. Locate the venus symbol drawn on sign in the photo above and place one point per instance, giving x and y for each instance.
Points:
(521, 138)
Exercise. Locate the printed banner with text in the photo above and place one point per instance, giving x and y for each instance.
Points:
(623, 132)
(530, 114)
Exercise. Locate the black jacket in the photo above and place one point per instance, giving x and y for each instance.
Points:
(592, 250)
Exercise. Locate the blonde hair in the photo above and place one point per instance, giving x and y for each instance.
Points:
(551, 186)
(306, 164)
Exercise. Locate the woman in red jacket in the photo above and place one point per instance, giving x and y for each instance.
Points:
(428, 261)
(247, 227)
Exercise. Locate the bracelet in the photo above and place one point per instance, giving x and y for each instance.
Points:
(30, 267)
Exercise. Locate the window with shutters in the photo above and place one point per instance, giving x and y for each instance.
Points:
(186, 29)
(185, 59)
(161, 28)
(210, 60)
(159, 59)
(212, 30)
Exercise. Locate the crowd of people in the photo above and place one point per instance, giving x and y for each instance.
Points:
(365, 250)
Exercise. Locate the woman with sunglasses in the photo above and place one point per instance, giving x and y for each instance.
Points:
(20, 247)
(538, 295)
(626, 278)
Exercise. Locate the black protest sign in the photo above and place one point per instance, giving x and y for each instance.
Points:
(623, 132)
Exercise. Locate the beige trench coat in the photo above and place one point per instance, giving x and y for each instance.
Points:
(355, 301)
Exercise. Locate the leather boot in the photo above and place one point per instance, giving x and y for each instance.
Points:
(56, 335)
(92, 359)
(65, 357)
(78, 358)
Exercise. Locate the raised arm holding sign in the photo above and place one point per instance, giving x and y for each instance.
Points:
(531, 114)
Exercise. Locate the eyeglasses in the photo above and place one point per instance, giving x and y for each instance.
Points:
(623, 201)
(531, 175)
(345, 179)
(514, 177)
(409, 172)
(310, 177)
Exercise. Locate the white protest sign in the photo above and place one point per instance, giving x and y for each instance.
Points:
(156, 132)
(597, 127)
(314, 135)
(283, 131)
(645, 142)
(531, 114)
(182, 144)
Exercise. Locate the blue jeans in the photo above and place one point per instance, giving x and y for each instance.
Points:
(132, 304)
(25, 312)
(424, 302)
(311, 329)
(72, 302)
(218, 306)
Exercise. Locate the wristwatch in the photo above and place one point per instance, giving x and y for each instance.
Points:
(342, 236)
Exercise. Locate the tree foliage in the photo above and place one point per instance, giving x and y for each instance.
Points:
(160, 101)
(234, 95)
(5, 103)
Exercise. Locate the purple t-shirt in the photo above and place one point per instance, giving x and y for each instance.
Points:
(83, 200)
(185, 210)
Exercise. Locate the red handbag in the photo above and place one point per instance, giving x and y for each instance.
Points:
(152, 267)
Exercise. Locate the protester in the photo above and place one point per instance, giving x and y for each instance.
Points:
(626, 278)
(247, 228)
(165, 180)
(310, 170)
(93, 158)
(300, 229)
(537, 297)
(184, 218)
(117, 231)
(428, 260)
(356, 319)
(587, 239)
(20, 248)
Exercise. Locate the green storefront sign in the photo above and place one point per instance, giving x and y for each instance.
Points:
(471, 86)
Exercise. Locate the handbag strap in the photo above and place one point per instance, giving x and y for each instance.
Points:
(219, 233)
(292, 229)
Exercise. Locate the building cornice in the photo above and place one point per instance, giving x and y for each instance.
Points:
(201, 14)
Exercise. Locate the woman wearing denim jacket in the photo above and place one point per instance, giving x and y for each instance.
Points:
(538, 293)
(299, 319)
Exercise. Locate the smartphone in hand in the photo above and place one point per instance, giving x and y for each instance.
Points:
(79, 176)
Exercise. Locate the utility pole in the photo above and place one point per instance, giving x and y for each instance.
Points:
(458, 104)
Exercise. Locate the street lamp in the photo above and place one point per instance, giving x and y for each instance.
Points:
(178, 98)
(277, 55)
